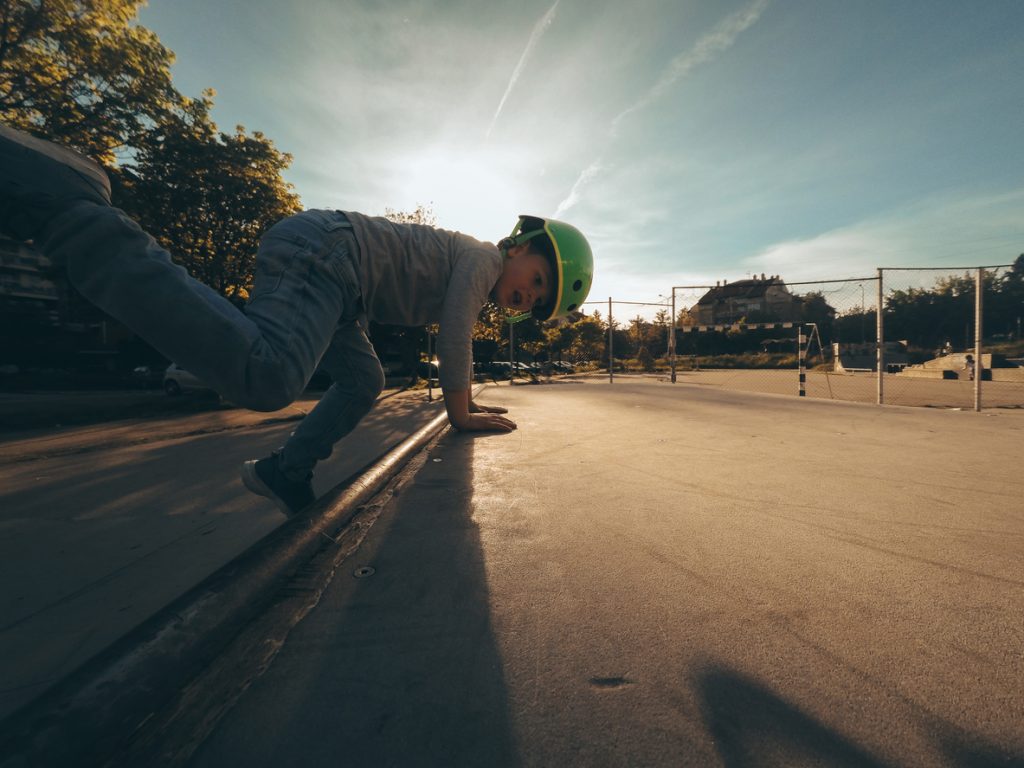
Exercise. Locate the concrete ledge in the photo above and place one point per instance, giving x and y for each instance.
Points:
(928, 373)
(1015, 375)
(107, 699)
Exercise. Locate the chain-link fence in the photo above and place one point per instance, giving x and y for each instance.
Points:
(934, 346)
(963, 346)
(762, 334)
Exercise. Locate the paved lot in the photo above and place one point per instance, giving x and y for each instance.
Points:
(102, 526)
(652, 575)
(862, 387)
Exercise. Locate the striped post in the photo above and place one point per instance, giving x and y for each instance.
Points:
(800, 342)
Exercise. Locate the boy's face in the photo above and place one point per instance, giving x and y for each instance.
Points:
(525, 282)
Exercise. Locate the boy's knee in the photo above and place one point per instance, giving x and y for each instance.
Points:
(370, 385)
(377, 381)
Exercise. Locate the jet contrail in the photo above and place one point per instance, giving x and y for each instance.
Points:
(574, 194)
(716, 41)
(719, 39)
(538, 31)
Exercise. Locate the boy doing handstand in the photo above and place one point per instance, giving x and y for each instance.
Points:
(320, 276)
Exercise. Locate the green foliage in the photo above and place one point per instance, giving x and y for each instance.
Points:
(79, 72)
(208, 196)
(814, 308)
(764, 360)
(645, 359)
(590, 338)
(929, 317)
(423, 214)
(82, 73)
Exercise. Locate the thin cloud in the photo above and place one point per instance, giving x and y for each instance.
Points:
(538, 32)
(947, 234)
(588, 173)
(715, 42)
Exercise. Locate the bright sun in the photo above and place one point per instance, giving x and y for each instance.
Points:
(478, 192)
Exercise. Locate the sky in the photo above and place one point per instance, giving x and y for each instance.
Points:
(690, 140)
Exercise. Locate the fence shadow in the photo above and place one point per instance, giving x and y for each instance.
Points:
(751, 725)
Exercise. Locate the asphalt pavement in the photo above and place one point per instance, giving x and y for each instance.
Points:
(641, 574)
(101, 526)
(654, 575)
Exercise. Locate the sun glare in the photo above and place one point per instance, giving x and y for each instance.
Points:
(476, 192)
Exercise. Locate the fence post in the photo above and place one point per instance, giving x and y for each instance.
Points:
(672, 336)
(978, 375)
(801, 366)
(611, 355)
(880, 335)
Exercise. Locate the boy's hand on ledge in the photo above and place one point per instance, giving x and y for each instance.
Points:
(467, 416)
(485, 422)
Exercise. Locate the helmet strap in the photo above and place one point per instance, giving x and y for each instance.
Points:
(523, 237)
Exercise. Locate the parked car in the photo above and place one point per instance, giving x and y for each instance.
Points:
(145, 377)
(497, 369)
(178, 380)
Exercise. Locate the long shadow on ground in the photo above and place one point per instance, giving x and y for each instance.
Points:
(397, 667)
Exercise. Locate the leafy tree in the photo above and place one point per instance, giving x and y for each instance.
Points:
(814, 308)
(854, 325)
(491, 325)
(209, 196)
(685, 317)
(590, 340)
(660, 331)
(645, 358)
(929, 318)
(79, 72)
(1004, 307)
(559, 338)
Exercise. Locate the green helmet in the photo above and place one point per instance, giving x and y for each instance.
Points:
(572, 263)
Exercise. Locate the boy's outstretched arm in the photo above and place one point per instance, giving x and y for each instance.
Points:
(457, 403)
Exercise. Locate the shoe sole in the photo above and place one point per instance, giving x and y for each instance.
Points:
(30, 159)
(252, 481)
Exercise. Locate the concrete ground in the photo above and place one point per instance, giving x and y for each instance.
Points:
(652, 575)
(101, 526)
(898, 389)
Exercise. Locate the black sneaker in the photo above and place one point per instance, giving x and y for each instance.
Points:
(39, 180)
(263, 477)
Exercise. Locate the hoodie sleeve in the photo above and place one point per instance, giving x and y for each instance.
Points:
(474, 274)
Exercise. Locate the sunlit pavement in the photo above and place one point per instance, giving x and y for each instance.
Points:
(648, 574)
(102, 526)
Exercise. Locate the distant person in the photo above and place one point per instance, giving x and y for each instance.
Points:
(969, 367)
(320, 276)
